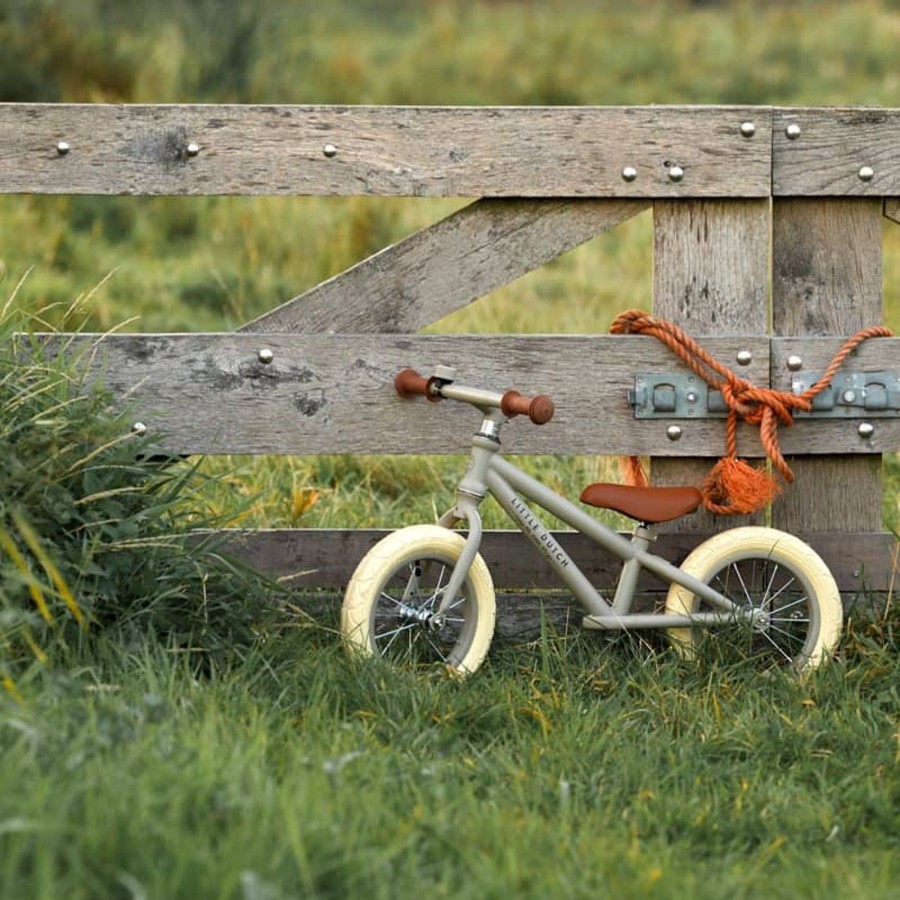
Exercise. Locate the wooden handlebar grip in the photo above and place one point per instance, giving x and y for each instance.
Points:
(409, 383)
(539, 409)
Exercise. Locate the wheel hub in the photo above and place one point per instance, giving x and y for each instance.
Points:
(761, 620)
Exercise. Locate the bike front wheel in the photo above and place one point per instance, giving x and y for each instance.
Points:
(801, 615)
(392, 604)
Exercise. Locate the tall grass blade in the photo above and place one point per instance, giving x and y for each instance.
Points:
(12, 551)
(34, 544)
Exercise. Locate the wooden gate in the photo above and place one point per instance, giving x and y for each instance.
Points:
(767, 244)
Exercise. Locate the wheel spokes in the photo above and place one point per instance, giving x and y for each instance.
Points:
(406, 615)
(769, 587)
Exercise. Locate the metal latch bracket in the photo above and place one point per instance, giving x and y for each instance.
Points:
(668, 395)
(675, 396)
(851, 395)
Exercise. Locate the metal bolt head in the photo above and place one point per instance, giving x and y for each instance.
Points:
(792, 131)
(849, 396)
(794, 363)
(62, 148)
(866, 430)
(330, 150)
(744, 357)
(673, 433)
(139, 429)
(676, 173)
(748, 129)
(629, 173)
(265, 356)
(866, 173)
(193, 149)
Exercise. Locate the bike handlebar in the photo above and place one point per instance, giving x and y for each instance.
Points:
(409, 383)
(539, 408)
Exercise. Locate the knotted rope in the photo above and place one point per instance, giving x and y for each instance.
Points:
(733, 486)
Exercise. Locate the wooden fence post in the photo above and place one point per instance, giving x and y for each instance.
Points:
(710, 276)
(826, 257)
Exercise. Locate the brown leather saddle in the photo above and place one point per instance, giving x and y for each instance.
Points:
(645, 504)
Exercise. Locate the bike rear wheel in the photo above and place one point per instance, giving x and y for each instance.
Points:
(391, 606)
(774, 572)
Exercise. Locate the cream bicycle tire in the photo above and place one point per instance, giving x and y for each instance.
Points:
(376, 622)
(805, 612)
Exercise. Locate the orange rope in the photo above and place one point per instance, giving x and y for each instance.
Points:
(733, 486)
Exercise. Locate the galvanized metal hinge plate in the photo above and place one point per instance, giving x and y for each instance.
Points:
(668, 395)
(675, 396)
(851, 395)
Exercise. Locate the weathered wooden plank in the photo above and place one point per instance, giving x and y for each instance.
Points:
(210, 393)
(406, 151)
(827, 280)
(892, 209)
(837, 152)
(710, 276)
(842, 436)
(422, 279)
(325, 559)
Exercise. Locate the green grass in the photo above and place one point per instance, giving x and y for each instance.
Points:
(569, 767)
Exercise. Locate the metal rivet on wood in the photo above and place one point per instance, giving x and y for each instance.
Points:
(866, 173)
(744, 357)
(62, 148)
(330, 150)
(193, 149)
(676, 173)
(794, 363)
(792, 131)
(673, 432)
(265, 356)
(629, 173)
(139, 428)
(866, 430)
(748, 129)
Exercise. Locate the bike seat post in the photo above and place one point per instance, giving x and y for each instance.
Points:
(631, 570)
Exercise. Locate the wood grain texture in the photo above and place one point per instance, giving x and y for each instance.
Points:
(710, 276)
(827, 280)
(832, 147)
(432, 273)
(209, 393)
(399, 151)
(325, 558)
(892, 209)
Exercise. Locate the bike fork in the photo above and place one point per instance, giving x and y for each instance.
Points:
(466, 558)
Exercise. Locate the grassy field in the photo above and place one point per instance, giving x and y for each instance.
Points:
(570, 767)
(187, 744)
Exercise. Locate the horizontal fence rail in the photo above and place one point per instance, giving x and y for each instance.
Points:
(865, 567)
(656, 151)
(385, 151)
(324, 558)
(314, 393)
(835, 152)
